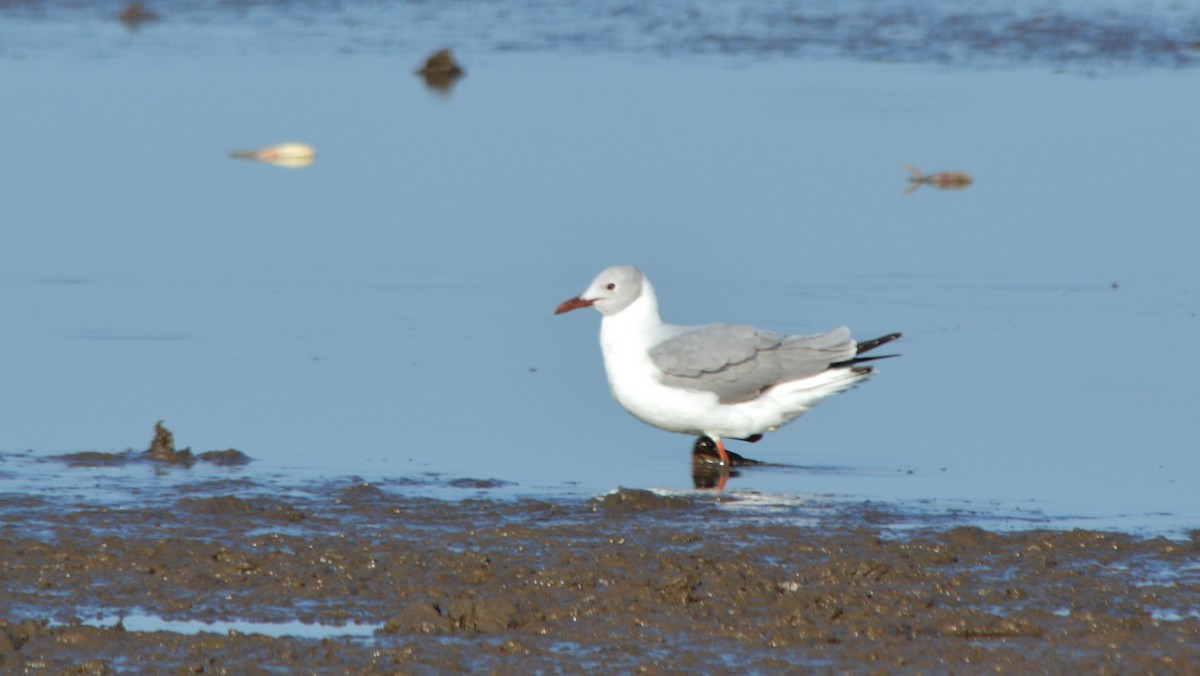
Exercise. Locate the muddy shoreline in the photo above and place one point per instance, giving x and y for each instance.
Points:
(629, 582)
(994, 34)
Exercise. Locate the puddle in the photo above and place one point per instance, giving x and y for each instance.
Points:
(151, 623)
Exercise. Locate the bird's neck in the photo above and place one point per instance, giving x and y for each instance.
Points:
(637, 326)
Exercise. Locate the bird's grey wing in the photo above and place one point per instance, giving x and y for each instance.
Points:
(707, 349)
(737, 363)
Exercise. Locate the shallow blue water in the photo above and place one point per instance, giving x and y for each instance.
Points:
(388, 310)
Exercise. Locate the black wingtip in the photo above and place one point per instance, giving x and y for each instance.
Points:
(868, 345)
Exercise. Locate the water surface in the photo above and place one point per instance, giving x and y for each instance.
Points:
(387, 312)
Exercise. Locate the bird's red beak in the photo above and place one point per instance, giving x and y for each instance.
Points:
(573, 304)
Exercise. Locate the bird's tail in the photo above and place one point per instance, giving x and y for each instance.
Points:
(867, 346)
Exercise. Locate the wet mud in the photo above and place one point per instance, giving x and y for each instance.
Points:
(1076, 36)
(628, 582)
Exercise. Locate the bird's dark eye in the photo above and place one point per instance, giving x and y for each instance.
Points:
(611, 286)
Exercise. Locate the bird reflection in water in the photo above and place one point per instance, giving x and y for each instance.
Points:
(707, 470)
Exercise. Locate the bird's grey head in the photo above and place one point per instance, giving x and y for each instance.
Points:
(612, 291)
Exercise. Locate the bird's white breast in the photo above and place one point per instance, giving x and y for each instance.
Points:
(626, 340)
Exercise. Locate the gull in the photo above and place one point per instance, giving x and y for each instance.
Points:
(719, 380)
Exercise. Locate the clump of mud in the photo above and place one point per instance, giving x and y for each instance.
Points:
(441, 71)
(639, 500)
(628, 582)
(161, 450)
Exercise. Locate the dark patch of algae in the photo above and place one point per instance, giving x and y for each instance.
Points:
(632, 582)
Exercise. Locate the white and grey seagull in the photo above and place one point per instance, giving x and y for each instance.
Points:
(719, 380)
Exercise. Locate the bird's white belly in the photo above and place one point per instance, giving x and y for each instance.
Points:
(634, 380)
(635, 384)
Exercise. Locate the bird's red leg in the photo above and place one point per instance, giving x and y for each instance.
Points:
(724, 464)
(721, 452)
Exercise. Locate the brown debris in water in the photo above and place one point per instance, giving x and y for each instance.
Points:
(135, 14)
(230, 457)
(441, 71)
(162, 448)
(93, 458)
(639, 500)
(942, 180)
(290, 155)
(481, 484)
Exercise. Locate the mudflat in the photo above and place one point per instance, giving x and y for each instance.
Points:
(631, 582)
